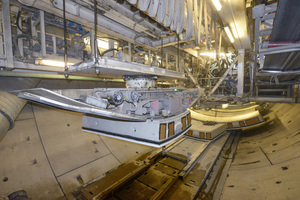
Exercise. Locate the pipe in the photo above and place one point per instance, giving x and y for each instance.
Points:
(268, 44)
(272, 99)
(11, 105)
(65, 37)
(55, 76)
(95, 29)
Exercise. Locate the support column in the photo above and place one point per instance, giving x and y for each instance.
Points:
(1, 39)
(129, 51)
(20, 40)
(43, 33)
(92, 42)
(177, 63)
(252, 68)
(167, 63)
(111, 45)
(257, 12)
(241, 65)
(33, 31)
(216, 39)
(149, 58)
(54, 44)
(7, 34)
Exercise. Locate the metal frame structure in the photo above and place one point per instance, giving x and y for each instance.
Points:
(143, 36)
(264, 16)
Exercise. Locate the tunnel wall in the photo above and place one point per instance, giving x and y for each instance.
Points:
(266, 163)
(49, 156)
(10, 105)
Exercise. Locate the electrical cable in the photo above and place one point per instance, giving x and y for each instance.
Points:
(27, 30)
(15, 42)
(108, 50)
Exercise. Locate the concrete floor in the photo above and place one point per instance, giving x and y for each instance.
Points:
(48, 155)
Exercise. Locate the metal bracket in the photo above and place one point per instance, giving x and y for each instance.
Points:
(258, 11)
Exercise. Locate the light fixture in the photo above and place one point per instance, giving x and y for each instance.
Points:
(229, 34)
(103, 44)
(225, 106)
(217, 4)
(234, 31)
(53, 63)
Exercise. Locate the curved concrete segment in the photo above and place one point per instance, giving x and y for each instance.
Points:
(236, 117)
(226, 115)
(266, 163)
(49, 156)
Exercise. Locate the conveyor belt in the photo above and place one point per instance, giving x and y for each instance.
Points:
(286, 29)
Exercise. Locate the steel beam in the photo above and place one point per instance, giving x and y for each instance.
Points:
(272, 99)
(224, 76)
(54, 44)
(281, 49)
(55, 76)
(206, 23)
(7, 34)
(149, 58)
(20, 40)
(43, 33)
(92, 42)
(240, 83)
(281, 73)
(252, 69)
(192, 78)
(111, 45)
(33, 31)
(1, 38)
(129, 51)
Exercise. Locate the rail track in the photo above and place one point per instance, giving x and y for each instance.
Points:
(179, 171)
